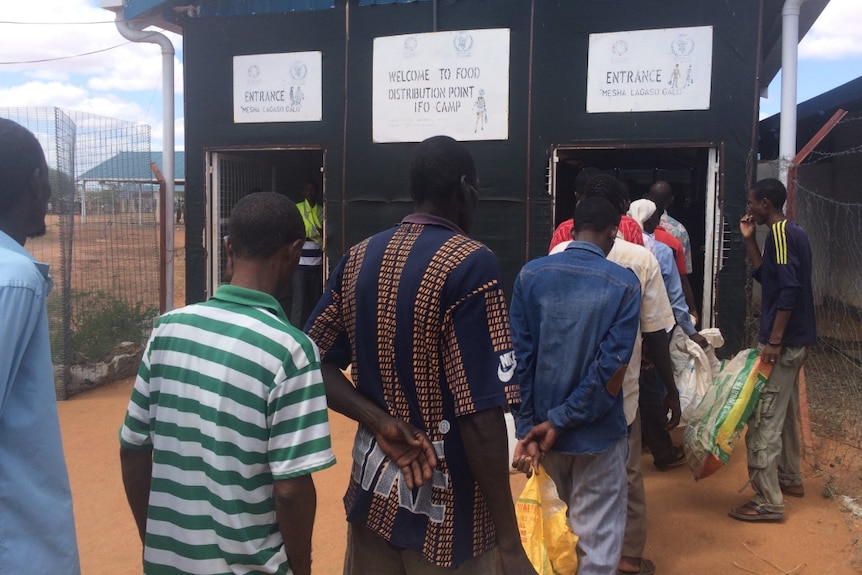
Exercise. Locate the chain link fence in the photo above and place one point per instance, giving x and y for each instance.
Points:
(829, 208)
(101, 243)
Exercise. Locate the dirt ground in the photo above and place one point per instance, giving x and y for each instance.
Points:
(689, 530)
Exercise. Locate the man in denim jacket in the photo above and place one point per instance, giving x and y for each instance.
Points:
(574, 323)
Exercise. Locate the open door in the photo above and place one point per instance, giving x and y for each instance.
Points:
(715, 240)
(231, 177)
(233, 173)
(691, 169)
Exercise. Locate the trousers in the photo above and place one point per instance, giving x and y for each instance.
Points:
(595, 490)
(772, 439)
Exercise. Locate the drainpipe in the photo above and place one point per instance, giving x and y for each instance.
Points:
(789, 65)
(137, 35)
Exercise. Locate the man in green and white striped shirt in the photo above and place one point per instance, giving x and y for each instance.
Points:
(228, 417)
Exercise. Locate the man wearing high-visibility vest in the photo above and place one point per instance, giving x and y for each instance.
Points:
(308, 278)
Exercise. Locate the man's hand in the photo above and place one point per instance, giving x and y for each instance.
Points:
(530, 451)
(747, 227)
(770, 354)
(671, 402)
(408, 448)
(699, 340)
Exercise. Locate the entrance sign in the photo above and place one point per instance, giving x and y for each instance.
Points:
(278, 87)
(453, 83)
(650, 70)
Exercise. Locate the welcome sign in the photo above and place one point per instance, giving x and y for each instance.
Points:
(454, 83)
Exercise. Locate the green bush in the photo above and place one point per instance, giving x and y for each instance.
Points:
(101, 321)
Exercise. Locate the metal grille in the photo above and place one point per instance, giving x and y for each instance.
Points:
(829, 208)
(233, 177)
(101, 239)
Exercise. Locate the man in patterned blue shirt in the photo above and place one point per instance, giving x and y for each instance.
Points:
(418, 312)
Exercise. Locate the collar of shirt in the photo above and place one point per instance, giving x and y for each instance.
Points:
(7, 243)
(250, 297)
(576, 245)
(428, 219)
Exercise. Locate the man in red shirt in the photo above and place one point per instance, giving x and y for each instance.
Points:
(628, 228)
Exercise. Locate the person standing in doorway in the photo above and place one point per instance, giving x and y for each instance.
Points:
(629, 229)
(308, 279)
(661, 193)
(37, 529)
(787, 330)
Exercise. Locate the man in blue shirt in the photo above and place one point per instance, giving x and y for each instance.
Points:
(787, 329)
(574, 324)
(37, 530)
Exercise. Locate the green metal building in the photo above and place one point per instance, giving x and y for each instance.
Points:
(278, 92)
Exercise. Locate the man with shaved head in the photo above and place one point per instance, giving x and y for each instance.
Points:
(419, 314)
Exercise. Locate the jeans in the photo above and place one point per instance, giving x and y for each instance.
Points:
(595, 489)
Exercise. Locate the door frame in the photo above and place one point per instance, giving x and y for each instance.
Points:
(716, 238)
(212, 198)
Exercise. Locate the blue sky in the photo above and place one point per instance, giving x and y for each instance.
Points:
(829, 55)
(122, 80)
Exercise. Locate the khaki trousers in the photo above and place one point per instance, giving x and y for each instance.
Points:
(772, 439)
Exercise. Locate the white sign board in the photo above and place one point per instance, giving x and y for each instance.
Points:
(451, 83)
(278, 87)
(650, 70)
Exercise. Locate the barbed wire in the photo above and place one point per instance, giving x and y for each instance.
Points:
(819, 156)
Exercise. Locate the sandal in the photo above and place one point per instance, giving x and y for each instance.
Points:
(645, 567)
(751, 511)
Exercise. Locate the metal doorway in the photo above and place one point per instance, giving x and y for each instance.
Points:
(693, 172)
(233, 173)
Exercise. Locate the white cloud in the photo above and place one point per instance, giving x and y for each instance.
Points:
(137, 74)
(36, 93)
(837, 33)
(119, 80)
(56, 37)
(179, 135)
(70, 97)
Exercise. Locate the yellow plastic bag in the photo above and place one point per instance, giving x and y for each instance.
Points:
(545, 531)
